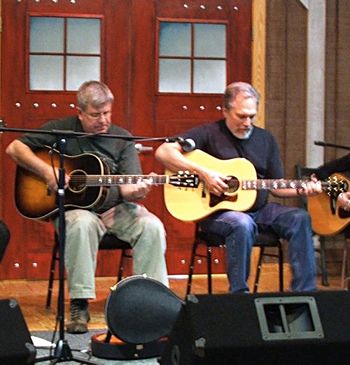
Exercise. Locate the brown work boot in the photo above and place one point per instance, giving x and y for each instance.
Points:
(79, 316)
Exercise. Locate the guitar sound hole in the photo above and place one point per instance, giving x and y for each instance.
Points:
(233, 185)
(77, 182)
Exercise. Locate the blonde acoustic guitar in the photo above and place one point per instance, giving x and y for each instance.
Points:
(189, 204)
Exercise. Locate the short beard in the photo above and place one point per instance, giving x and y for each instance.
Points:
(246, 134)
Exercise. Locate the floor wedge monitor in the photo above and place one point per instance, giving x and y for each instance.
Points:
(16, 346)
(270, 328)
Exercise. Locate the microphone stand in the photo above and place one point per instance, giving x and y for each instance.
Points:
(62, 350)
(327, 144)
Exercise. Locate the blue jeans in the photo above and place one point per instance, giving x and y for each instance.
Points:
(240, 229)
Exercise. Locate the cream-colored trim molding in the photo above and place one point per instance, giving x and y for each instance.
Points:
(305, 3)
(259, 54)
(316, 84)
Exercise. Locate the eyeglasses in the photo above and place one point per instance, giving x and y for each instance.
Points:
(98, 115)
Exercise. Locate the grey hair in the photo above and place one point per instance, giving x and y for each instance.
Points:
(94, 93)
(232, 90)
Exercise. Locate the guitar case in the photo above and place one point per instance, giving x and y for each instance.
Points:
(140, 313)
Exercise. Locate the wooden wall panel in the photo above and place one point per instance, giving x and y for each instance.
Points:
(286, 43)
(331, 78)
(295, 132)
(342, 81)
(286, 71)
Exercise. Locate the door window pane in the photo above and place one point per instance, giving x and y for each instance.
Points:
(46, 73)
(209, 76)
(46, 34)
(80, 69)
(83, 36)
(209, 40)
(175, 76)
(175, 39)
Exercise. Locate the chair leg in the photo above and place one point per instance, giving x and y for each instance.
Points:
(54, 258)
(258, 269)
(121, 266)
(280, 267)
(344, 268)
(123, 257)
(209, 251)
(323, 263)
(190, 273)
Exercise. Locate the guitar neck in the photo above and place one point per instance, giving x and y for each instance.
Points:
(112, 180)
(272, 184)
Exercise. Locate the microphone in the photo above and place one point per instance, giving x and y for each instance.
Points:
(141, 148)
(320, 143)
(187, 144)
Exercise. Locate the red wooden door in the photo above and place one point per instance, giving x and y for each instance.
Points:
(129, 65)
(31, 242)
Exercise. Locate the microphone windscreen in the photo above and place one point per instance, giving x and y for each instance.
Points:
(188, 145)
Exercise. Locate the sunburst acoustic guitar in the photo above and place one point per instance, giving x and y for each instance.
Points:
(193, 204)
(89, 179)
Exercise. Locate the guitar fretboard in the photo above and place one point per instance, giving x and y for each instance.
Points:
(270, 184)
(110, 180)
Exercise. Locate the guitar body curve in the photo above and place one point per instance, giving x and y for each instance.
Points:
(188, 204)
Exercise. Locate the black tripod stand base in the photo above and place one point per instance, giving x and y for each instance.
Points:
(63, 353)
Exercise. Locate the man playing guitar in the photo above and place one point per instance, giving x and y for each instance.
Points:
(119, 213)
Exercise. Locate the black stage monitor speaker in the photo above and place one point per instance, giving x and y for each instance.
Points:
(16, 346)
(283, 328)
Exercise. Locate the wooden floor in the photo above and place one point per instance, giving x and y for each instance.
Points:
(31, 296)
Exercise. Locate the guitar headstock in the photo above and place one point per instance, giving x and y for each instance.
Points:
(336, 185)
(184, 179)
